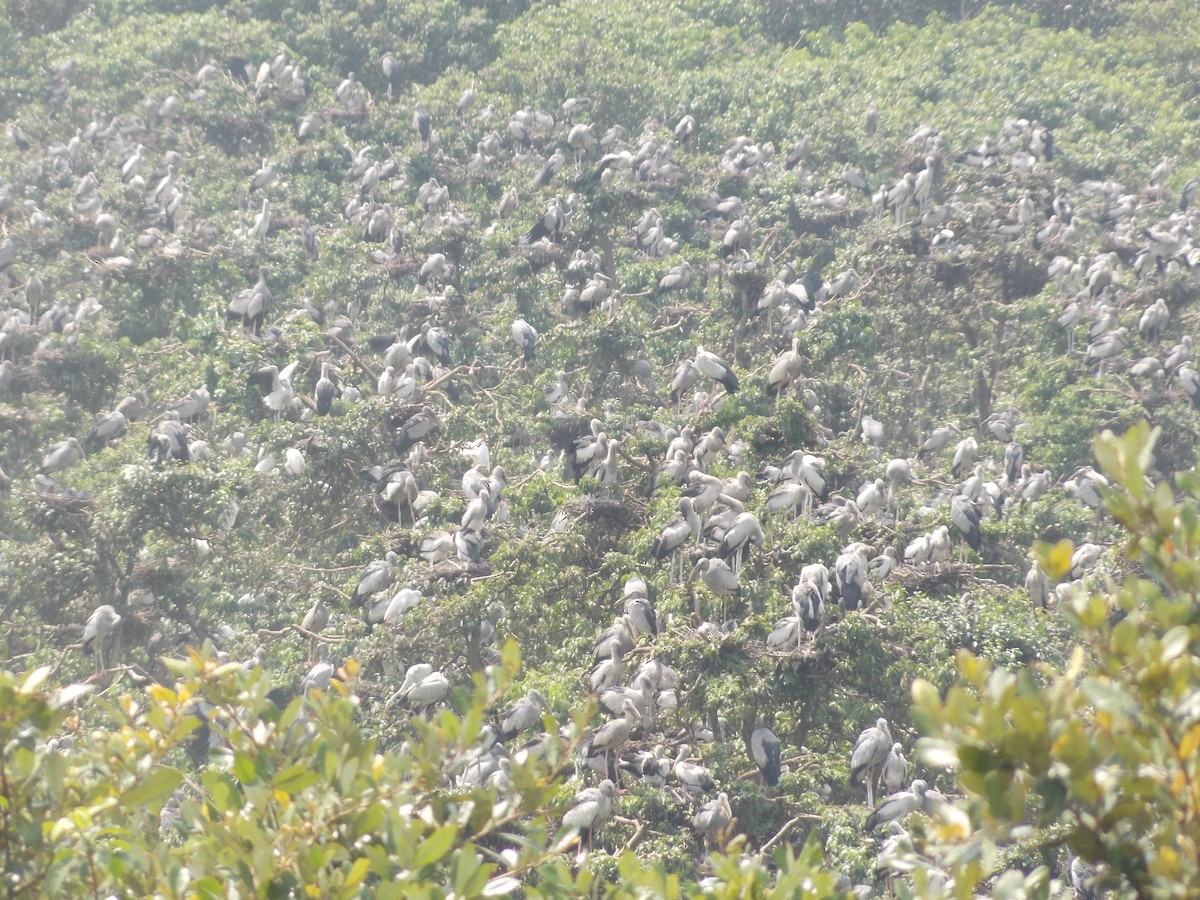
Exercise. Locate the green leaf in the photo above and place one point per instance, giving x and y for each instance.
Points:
(294, 779)
(244, 768)
(54, 770)
(1107, 696)
(153, 789)
(209, 888)
(222, 791)
(435, 846)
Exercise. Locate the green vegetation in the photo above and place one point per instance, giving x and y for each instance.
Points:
(175, 770)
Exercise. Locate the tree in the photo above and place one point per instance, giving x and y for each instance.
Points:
(1100, 757)
(296, 796)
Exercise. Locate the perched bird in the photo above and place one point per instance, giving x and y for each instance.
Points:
(168, 439)
(264, 176)
(325, 392)
(590, 809)
(525, 337)
(897, 806)
(678, 532)
(808, 605)
(870, 752)
(61, 456)
(193, 405)
(712, 366)
(609, 739)
(895, 770)
(416, 428)
(692, 776)
(522, 715)
(423, 687)
(1038, 585)
(100, 624)
(850, 574)
(375, 577)
(764, 747)
(316, 618)
(435, 268)
(108, 428)
(787, 368)
(966, 516)
(713, 817)
(423, 125)
(392, 72)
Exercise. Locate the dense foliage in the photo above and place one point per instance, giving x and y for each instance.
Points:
(164, 765)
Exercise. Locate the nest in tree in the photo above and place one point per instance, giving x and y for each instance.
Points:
(17, 421)
(820, 222)
(565, 430)
(450, 570)
(349, 115)
(613, 517)
(813, 658)
(922, 579)
(69, 513)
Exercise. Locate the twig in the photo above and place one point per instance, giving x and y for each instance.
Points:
(354, 355)
(311, 635)
(637, 834)
(787, 826)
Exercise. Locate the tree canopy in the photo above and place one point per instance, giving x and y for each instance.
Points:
(283, 284)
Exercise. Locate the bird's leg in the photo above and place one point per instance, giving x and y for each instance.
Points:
(870, 793)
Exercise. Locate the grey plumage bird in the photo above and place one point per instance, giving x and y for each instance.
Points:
(325, 392)
(108, 428)
(678, 531)
(192, 405)
(897, 806)
(609, 739)
(641, 615)
(264, 176)
(764, 747)
(713, 817)
(423, 124)
(375, 577)
(712, 366)
(316, 618)
(416, 428)
(590, 809)
(525, 337)
(693, 777)
(392, 72)
(870, 751)
(522, 715)
(895, 769)
(850, 573)
(169, 440)
(61, 456)
(966, 517)
(100, 624)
